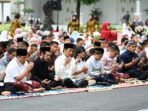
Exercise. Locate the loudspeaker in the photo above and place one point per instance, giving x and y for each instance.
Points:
(56, 5)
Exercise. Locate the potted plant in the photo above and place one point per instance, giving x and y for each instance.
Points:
(96, 12)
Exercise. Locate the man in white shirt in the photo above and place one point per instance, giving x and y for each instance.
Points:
(65, 66)
(17, 72)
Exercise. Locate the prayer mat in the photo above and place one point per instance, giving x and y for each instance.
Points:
(95, 88)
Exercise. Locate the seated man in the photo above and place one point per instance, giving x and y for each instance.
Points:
(41, 72)
(130, 60)
(54, 52)
(80, 68)
(93, 63)
(17, 72)
(65, 67)
(95, 67)
(10, 54)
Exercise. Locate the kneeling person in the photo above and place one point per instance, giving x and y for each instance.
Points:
(17, 72)
(41, 72)
(65, 67)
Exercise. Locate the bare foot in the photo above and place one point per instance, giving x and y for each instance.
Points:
(39, 90)
(91, 82)
(6, 93)
(58, 87)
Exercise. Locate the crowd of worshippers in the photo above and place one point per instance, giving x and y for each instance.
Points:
(38, 61)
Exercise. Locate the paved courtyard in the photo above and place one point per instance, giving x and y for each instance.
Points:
(126, 99)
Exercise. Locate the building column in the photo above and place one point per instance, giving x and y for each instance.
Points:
(2, 11)
(138, 12)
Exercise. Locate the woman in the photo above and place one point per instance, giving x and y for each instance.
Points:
(73, 25)
(92, 25)
(14, 25)
(106, 33)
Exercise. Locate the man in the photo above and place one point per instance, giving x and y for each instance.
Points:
(93, 63)
(66, 40)
(35, 55)
(95, 67)
(61, 39)
(126, 17)
(3, 47)
(136, 38)
(33, 49)
(122, 47)
(96, 44)
(23, 45)
(54, 53)
(41, 72)
(10, 54)
(79, 42)
(65, 67)
(17, 73)
(130, 60)
(48, 38)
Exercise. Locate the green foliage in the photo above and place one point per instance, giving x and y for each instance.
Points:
(14, 13)
(112, 27)
(115, 27)
(4, 27)
(96, 12)
(18, 2)
(89, 2)
(82, 28)
(28, 10)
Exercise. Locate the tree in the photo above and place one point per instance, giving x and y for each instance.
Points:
(28, 12)
(18, 3)
(96, 12)
(47, 9)
(86, 2)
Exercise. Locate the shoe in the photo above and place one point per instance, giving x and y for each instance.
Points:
(103, 83)
(111, 81)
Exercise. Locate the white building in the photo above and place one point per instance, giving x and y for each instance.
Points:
(112, 10)
(4, 9)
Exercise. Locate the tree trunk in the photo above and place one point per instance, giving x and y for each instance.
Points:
(78, 9)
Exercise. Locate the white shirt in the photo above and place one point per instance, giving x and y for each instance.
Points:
(146, 51)
(79, 67)
(13, 70)
(94, 66)
(64, 71)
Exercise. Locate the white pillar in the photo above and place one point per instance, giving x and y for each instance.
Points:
(2, 11)
(81, 18)
(138, 12)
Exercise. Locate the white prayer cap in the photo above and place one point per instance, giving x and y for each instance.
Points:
(46, 32)
(17, 36)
